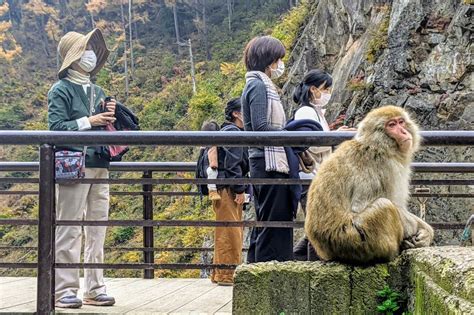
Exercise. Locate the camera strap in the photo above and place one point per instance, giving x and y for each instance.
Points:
(91, 111)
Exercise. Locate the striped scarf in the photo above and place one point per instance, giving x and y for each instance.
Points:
(275, 157)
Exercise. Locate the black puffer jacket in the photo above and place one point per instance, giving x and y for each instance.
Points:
(233, 161)
(126, 119)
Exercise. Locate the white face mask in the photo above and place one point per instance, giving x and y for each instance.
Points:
(88, 61)
(323, 100)
(325, 97)
(278, 72)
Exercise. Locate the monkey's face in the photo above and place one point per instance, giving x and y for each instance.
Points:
(396, 129)
(389, 129)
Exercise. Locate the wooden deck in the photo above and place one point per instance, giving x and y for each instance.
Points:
(132, 295)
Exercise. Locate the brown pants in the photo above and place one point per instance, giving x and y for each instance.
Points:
(227, 240)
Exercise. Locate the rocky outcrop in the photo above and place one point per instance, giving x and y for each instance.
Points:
(413, 53)
(432, 280)
(417, 54)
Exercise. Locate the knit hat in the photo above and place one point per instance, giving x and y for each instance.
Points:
(72, 46)
(234, 105)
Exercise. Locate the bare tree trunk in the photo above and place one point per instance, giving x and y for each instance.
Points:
(132, 63)
(196, 6)
(44, 38)
(176, 26)
(10, 14)
(191, 59)
(206, 39)
(125, 50)
(21, 11)
(92, 20)
(135, 30)
(229, 14)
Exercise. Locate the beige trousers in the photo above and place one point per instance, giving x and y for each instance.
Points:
(81, 202)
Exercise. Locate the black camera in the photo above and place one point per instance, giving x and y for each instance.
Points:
(103, 107)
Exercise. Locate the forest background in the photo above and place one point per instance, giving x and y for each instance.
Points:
(149, 70)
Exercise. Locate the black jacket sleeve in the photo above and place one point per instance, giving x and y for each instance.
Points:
(234, 163)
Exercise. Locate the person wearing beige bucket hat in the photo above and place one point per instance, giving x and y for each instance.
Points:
(75, 104)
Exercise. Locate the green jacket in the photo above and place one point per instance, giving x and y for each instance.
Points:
(68, 102)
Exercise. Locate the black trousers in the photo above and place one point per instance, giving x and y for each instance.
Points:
(303, 249)
(272, 203)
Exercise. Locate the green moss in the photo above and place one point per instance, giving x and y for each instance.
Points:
(366, 282)
(379, 39)
(356, 85)
(430, 298)
(330, 288)
(288, 29)
(272, 288)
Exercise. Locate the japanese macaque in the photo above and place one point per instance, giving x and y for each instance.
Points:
(357, 203)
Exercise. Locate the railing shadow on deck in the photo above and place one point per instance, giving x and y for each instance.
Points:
(47, 140)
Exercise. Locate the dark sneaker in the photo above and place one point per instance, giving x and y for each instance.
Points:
(100, 300)
(71, 301)
(300, 251)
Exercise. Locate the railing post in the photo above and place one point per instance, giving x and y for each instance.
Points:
(148, 240)
(46, 232)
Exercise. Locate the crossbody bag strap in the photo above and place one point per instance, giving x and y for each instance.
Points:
(91, 111)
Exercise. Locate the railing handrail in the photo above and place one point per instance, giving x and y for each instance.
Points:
(418, 167)
(47, 223)
(200, 138)
(114, 166)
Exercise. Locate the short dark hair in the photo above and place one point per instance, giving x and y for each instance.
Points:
(261, 52)
(210, 126)
(315, 78)
(234, 105)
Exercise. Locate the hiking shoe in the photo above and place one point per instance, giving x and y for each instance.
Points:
(100, 300)
(214, 195)
(71, 301)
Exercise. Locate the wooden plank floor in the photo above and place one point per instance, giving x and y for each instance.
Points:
(132, 295)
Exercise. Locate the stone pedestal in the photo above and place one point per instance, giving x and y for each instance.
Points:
(434, 280)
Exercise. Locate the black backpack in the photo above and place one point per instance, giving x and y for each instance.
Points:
(201, 170)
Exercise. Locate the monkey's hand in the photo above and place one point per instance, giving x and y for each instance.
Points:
(408, 243)
(424, 237)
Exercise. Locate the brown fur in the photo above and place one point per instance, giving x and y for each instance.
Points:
(356, 209)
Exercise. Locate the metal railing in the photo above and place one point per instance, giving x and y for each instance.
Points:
(47, 222)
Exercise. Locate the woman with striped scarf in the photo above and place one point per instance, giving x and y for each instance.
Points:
(263, 111)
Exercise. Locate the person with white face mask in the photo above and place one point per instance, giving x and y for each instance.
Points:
(75, 104)
(312, 96)
(263, 111)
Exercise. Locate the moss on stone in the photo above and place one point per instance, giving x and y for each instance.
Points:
(379, 39)
(437, 280)
(365, 284)
(450, 267)
(272, 288)
(430, 298)
(330, 288)
(359, 85)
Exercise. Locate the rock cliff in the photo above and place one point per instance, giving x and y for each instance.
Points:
(417, 54)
